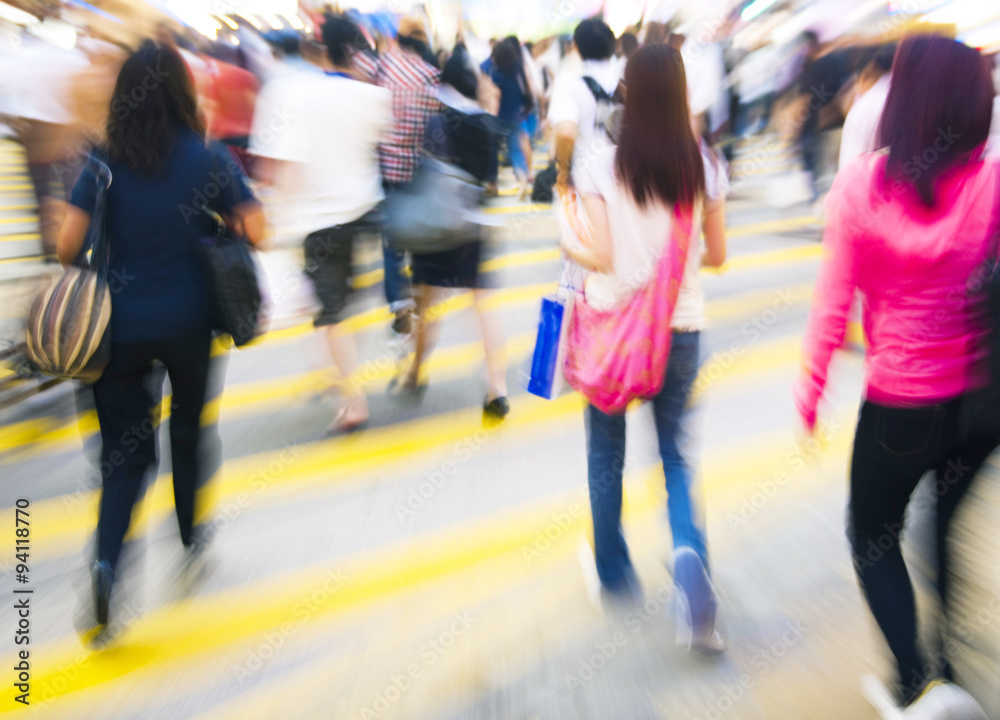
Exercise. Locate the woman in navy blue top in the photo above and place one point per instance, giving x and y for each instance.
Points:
(164, 183)
(506, 69)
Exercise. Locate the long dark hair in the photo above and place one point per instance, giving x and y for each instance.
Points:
(939, 110)
(658, 156)
(153, 99)
(506, 57)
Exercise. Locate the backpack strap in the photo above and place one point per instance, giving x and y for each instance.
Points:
(599, 93)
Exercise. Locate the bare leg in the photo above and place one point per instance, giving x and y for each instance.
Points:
(426, 333)
(526, 149)
(493, 345)
(343, 351)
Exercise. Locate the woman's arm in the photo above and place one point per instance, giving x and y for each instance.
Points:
(599, 257)
(714, 227)
(831, 303)
(248, 220)
(72, 234)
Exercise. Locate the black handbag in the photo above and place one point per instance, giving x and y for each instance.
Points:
(232, 276)
(69, 323)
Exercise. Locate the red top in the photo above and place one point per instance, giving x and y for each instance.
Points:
(232, 94)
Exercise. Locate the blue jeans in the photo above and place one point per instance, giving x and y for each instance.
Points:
(397, 287)
(606, 461)
(517, 159)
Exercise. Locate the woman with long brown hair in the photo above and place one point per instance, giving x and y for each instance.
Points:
(165, 183)
(630, 194)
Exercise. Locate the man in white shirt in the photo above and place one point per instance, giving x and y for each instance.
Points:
(860, 134)
(993, 145)
(321, 133)
(573, 107)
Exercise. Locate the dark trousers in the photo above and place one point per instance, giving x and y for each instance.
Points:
(127, 405)
(893, 448)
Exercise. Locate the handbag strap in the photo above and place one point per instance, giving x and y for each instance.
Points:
(96, 251)
(215, 149)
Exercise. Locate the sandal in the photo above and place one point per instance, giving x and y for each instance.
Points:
(341, 425)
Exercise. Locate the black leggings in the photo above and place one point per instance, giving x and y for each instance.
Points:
(126, 404)
(893, 448)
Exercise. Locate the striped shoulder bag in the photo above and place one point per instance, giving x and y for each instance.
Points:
(69, 321)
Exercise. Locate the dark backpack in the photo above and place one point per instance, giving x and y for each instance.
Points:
(541, 191)
(610, 109)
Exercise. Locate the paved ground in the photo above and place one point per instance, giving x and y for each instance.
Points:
(429, 567)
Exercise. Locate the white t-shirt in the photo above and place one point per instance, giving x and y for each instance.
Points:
(639, 235)
(326, 130)
(861, 123)
(993, 148)
(573, 102)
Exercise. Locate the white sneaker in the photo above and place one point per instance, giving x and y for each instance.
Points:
(940, 700)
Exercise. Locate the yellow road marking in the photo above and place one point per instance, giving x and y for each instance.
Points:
(23, 258)
(186, 631)
(19, 237)
(50, 434)
(509, 209)
(521, 258)
(775, 226)
(17, 220)
(64, 521)
(770, 257)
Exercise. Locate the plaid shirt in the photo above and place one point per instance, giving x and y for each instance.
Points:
(414, 100)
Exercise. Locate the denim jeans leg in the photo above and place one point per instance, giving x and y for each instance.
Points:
(668, 412)
(605, 464)
(397, 290)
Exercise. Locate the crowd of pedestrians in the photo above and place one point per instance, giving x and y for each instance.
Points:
(340, 126)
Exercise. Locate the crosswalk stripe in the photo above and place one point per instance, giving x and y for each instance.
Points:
(775, 226)
(64, 521)
(20, 237)
(17, 220)
(766, 258)
(188, 631)
(525, 293)
(49, 434)
(21, 259)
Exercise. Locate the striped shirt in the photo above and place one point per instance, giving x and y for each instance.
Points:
(414, 100)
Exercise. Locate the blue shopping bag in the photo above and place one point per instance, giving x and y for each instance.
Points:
(546, 378)
(546, 374)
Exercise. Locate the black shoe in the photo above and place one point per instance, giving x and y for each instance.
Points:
(497, 407)
(402, 324)
(102, 577)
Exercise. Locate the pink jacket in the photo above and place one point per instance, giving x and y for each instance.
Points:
(914, 267)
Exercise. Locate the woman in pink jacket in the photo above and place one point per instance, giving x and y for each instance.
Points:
(911, 228)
